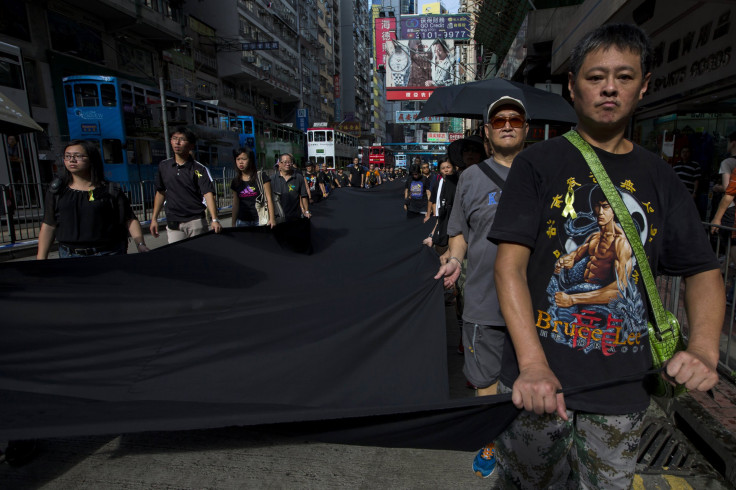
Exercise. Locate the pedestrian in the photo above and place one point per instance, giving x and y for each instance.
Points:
(357, 174)
(372, 177)
(86, 214)
(416, 194)
(327, 178)
(247, 187)
(291, 190)
(315, 186)
(479, 191)
(184, 189)
(568, 285)
(341, 179)
(688, 171)
(440, 205)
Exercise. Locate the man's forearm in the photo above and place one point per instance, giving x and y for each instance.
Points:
(705, 301)
(516, 303)
(209, 198)
(457, 247)
(158, 202)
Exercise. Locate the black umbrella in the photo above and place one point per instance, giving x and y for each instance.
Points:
(471, 100)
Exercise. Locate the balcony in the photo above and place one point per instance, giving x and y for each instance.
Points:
(135, 17)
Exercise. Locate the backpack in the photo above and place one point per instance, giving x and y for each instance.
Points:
(372, 178)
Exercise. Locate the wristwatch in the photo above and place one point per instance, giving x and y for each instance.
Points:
(215, 220)
(398, 62)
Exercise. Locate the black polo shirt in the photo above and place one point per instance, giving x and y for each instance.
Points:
(184, 187)
(290, 193)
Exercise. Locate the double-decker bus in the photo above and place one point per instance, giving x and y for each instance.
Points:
(268, 139)
(330, 146)
(125, 119)
(381, 156)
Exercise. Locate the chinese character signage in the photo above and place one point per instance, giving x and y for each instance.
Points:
(410, 117)
(437, 138)
(456, 26)
(385, 32)
(259, 46)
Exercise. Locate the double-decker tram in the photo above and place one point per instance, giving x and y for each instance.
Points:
(268, 139)
(125, 119)
(381, 157)
(330, 146)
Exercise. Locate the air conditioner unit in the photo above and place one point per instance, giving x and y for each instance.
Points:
(250, 59)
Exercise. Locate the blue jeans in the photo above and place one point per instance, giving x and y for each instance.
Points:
(68, 253)
(240, 223)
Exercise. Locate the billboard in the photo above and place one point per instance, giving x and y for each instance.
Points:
(418, 66)
(385, 32)
(410, 117)
(455, 26)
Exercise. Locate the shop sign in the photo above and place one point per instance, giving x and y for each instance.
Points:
(410, 117)
(454, 26)
(694, 51)
(437, 138)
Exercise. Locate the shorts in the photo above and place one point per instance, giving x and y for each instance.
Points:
(483, 351)
(588, 451)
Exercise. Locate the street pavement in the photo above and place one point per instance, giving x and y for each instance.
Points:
(235, 457)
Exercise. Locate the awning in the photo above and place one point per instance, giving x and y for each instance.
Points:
(13, 119)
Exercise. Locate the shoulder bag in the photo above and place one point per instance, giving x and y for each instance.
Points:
(261, 201)
(665, 336)
(278, 209)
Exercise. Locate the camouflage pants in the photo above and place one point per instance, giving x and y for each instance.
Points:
(589, 451)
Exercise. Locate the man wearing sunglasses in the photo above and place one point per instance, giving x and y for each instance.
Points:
(476, 200)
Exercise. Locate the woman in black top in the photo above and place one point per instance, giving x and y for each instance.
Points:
(87, 215)
(246, 190)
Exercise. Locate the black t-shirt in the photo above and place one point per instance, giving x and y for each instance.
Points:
(355, 173)
(417, 194)
(313, 181)
(89, 218)
(584, 257)
(342, 179)
(248, 193)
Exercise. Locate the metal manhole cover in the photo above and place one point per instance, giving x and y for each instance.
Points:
(664, 449)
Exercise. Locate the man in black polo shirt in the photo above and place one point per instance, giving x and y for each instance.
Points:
(181, 183)
(291, 189)
(357, 174)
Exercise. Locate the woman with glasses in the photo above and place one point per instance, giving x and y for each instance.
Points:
(87, 215)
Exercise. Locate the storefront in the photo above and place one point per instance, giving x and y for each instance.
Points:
(691, 99)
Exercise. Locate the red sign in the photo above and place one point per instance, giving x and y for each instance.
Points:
(455, 136)
(385, 32)
(407, 93)
(336, 84)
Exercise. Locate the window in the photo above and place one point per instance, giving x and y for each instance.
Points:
(69, 95)
(86, 95)
(11, 74)
(109, 98)
(112, 151)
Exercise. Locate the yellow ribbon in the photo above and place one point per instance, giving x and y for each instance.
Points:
(91, 194)
(570, 199)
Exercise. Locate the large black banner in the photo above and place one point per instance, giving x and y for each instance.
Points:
(234, 329)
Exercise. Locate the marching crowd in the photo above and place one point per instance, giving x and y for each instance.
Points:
(545, 278)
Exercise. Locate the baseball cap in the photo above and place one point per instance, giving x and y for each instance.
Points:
(505, 100)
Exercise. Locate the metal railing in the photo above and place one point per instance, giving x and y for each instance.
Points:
(22, 205)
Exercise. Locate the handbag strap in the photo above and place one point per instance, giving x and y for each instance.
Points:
(262, 197)
(627, 223)
(486, 168)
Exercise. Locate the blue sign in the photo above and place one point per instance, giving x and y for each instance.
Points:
(302, 119)
(260, 46)
(454, 26)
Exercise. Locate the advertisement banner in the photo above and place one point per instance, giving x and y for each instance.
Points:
(385, 32)
(455, 136)
(419, 65)
(437, 138)
(454, 26)
(410, 117)
(402, 93)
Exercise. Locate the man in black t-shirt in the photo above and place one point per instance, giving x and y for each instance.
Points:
(416, 194)
(291, 189)
(313, 182)
(341, 179)
(357, 174)
(571, 293)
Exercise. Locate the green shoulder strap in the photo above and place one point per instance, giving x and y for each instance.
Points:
(624, 217)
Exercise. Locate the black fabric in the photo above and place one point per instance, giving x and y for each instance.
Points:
(222, 330)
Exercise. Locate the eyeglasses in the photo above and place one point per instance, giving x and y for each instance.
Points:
(286, 162)
(499, 122)
(74, 156)
(179, 140)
